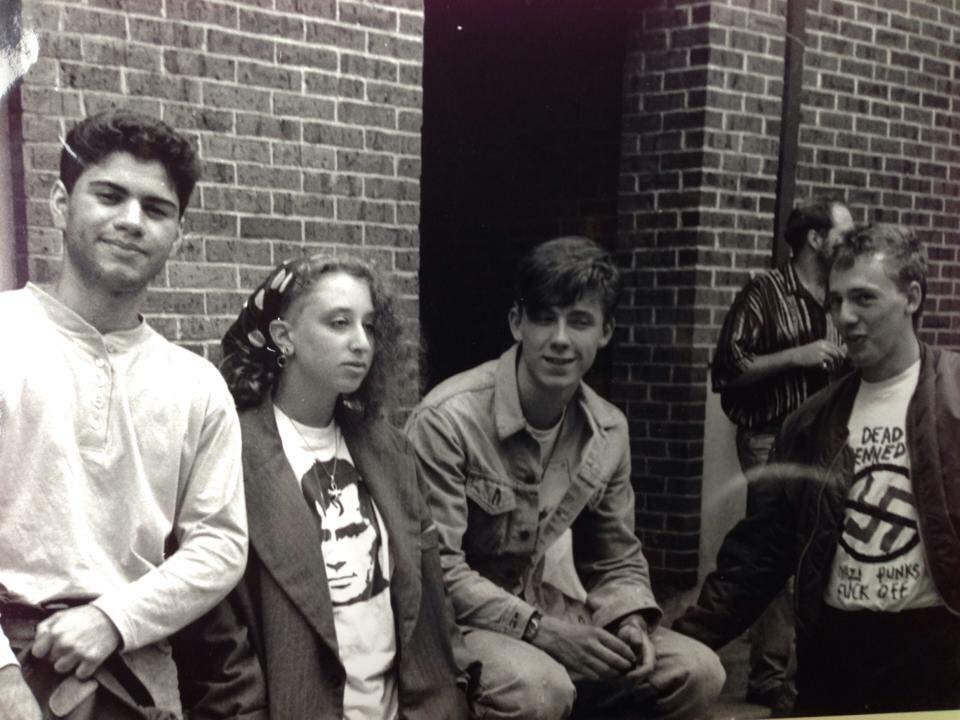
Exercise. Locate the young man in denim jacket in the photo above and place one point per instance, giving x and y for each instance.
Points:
(521, 458)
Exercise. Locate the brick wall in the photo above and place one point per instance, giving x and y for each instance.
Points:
(306, 113)
(881, 121)
(703, 83)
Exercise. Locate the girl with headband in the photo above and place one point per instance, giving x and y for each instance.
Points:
(343, 597)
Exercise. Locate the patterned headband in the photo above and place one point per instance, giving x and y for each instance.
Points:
(250, 332)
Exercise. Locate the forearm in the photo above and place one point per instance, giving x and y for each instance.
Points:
(481, 603)
(211, 534)
(188, 584)
(610, 559)
(761, 367)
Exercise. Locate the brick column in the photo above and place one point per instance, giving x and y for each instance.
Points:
(698, 168)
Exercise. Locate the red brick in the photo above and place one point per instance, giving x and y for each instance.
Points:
(156, 32)
(104, 51)
(369, 16)
(274, 228)
(234, 97)
(228, 43)
(272, 25)
(306, 55)
(94, 22)
(309, 8)
(192, 275)
(180, 62)
(205, 12)
(269, 76)
(312, 108)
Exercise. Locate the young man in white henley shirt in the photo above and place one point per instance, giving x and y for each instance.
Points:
(121, 508)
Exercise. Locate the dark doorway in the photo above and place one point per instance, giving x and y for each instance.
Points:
(521, 143)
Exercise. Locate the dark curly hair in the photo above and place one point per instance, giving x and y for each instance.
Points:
(559, 271)
(250, 355)
(146, 138)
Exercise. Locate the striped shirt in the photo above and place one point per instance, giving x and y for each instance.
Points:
(773, 312)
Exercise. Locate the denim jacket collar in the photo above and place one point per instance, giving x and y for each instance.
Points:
(506, 402)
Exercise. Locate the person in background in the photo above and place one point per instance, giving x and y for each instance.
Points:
(776, 348)
(121, 509)
(520, 455)
(861, 500)
(342, 602)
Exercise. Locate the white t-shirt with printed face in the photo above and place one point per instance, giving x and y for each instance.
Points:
(880, 563)
(356, 557)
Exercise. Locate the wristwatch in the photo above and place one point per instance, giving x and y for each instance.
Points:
(533, 627)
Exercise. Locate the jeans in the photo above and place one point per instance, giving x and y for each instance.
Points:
(518, 680)
(772, 635)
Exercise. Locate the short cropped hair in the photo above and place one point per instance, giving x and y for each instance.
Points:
(816, 214)
(559, 271)
(904, 255)
(91, 140)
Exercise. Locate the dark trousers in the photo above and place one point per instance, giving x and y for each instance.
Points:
(771, 636)
(871, 662)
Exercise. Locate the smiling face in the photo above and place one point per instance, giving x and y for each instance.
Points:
(120, 223)
(330, 331)
(558, 344)
(874, 316)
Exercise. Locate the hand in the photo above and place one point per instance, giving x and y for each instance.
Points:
(81, 638)
(820, 353)
(16, 700)
(587, 652)
(633, 631)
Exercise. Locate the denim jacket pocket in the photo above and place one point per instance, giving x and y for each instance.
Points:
(490, 493)
(490, 507)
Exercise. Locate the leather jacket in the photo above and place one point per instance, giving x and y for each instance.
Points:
(801, 498)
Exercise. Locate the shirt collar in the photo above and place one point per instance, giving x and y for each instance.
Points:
(508, 414)
(71, 323)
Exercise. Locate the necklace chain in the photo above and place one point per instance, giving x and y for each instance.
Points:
(335, 489)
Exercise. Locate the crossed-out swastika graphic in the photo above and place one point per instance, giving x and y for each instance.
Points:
(874, 531)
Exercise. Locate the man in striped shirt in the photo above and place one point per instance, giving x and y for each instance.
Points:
(776, 348)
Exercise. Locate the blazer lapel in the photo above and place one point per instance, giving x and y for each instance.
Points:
(282, 529)
(391, 478)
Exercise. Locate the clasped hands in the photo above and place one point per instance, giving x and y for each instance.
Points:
(77, 639)
(593, 653)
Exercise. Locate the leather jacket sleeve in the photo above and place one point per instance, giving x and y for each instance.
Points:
(755, 561)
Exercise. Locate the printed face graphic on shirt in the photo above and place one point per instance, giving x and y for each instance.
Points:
(350, 539)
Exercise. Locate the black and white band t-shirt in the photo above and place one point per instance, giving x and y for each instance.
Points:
(880, 563)
(356, 557)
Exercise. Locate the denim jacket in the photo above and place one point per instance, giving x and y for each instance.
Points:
(483, 480)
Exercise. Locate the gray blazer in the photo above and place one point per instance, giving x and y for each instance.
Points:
(282, 606)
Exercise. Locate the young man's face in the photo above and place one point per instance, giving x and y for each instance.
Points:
(559, 344)
(874, 317)
(120, 223)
